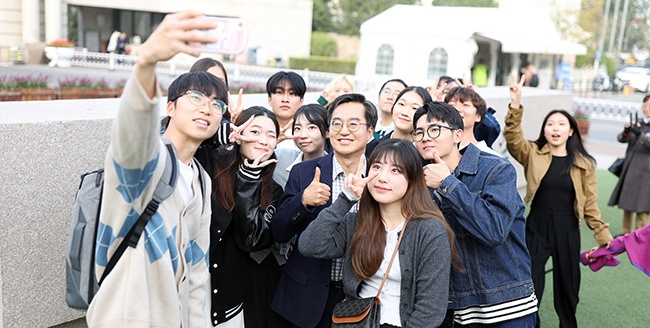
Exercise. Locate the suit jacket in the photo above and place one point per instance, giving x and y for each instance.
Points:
(304, 284)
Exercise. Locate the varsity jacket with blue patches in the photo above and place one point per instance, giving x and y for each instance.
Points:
(164, 281)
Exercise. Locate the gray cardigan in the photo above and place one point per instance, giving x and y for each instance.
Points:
(424, 256)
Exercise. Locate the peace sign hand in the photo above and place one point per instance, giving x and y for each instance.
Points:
(238, 108)
(283, 132)
(466, 83)
(515, 91)
(235, 132)
(355, 182)
(258, 164)
(436, 91)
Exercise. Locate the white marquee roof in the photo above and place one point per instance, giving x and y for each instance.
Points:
(529, 31)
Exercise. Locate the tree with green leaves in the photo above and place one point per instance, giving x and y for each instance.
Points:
(636, 30)
(73, 30)
(351, 13)
(322, 16)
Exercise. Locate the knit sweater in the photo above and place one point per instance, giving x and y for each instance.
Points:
(164, 281)
(424, 258)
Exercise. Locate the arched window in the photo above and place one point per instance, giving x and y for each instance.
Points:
(437, 63)
(384, 64)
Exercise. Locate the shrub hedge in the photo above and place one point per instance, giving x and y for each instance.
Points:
(323, 64)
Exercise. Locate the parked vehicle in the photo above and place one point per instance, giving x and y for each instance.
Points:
(638, 77)
(602, 81)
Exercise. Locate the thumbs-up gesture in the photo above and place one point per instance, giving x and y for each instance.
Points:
(317, 193)
(435, 172)
(356, 182)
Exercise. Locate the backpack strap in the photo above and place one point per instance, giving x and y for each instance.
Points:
(202, 181)
(164, 189)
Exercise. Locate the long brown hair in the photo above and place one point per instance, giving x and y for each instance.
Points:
(369, 239)
(227, 161)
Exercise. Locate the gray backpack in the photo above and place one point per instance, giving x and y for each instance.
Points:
(81, 282)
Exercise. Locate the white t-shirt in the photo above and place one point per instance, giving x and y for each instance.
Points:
(390, 295)
(185, 181)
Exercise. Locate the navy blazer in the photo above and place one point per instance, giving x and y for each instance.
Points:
(303, 288)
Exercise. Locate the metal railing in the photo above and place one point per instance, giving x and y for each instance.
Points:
(256, 75)
(605, 109)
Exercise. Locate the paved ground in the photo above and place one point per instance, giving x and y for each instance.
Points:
(605, 152)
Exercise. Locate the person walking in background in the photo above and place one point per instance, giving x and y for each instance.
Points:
(480, 73)
(163, 281)
(122, 43)
(393, 200)
(530, 74)
(112, 41)
(562, 186)
(632, 192)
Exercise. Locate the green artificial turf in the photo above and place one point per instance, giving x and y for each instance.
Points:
(614, 296)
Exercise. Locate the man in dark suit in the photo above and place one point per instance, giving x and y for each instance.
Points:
(309, 288)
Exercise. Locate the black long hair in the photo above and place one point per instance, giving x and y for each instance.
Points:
(227, 160)
(203, 64)
(420, 91)
(573, 144)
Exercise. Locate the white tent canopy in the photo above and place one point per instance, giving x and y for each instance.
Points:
(412, 38)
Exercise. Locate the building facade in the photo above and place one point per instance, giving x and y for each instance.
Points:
(275, 27)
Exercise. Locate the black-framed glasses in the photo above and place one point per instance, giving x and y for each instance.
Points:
(353, 125)
(197, 98)
(433, 130)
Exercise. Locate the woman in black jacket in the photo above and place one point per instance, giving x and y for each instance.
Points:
(243, 201)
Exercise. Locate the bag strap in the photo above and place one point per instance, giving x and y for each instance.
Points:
(202, 181)
(399, 240)
(164, 189)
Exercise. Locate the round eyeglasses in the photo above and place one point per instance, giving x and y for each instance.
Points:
(433, 130)
(197, 98)
(353, 125)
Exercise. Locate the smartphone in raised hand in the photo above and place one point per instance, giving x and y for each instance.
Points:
(231, 32)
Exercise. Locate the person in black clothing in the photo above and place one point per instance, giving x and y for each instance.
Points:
(121, 44)
(563, 189)
(240, 214)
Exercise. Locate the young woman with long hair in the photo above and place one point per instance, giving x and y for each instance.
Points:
(562, 187)
(244, 199)
(406, 103)
(393, 199)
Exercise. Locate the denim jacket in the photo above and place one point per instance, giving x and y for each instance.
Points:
(481, 203)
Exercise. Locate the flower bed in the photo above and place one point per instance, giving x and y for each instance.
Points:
(30, 87)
